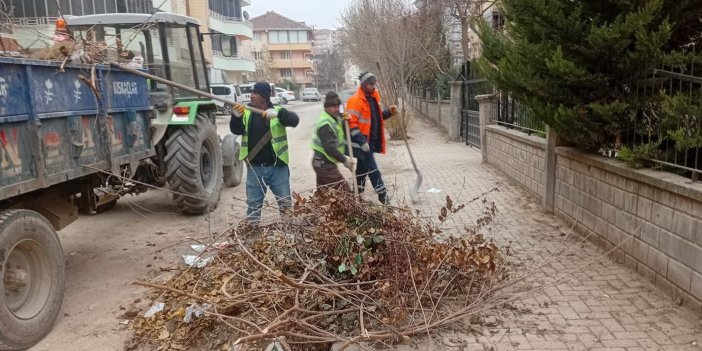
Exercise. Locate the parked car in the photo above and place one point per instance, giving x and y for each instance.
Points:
(246, 90)
(310, 94)
(226, 91)
(285, 95)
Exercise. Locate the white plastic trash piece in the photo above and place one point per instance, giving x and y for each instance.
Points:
(200, 248)
(195, 261)
(195, 311)
(434, 191)
(155, 308)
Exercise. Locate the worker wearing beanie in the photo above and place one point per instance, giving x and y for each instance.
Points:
(368, 133)
(268, 167)
(329, 144)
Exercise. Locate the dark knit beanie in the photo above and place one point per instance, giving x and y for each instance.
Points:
(367, 78)
(263, 89)
(332, 99)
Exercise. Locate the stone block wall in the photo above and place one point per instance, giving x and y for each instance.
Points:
(518, 155)
(430, 109)
(648, 219)
(655, 217)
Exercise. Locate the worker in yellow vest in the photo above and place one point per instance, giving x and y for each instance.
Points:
(329, 145)
(269, 167)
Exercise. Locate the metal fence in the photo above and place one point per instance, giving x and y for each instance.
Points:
(667, 129)
(470, 114)
(512, 114)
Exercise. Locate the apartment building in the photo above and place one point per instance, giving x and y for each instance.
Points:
(225, 17)
(34, 23)
(323, 40)
(288, 43)
(452, 28)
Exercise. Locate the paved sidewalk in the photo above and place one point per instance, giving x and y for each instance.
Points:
(603, 307)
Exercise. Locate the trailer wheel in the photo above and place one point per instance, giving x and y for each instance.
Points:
(227, 110)
(31, 291)
(194, 166)
(233, 170)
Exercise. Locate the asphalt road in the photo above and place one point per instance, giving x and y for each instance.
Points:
(140, 239)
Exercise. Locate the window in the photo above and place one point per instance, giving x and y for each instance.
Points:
(257, 36)
(278, 37)
(221, 91)
(301, 37)
(286, 55)
(286, 73)
(110, 6)
(258, 55)
(227, 8)
(217, 44)
(246, 89)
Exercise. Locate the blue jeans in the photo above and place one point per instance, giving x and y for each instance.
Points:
(368, 167)
(258, 180)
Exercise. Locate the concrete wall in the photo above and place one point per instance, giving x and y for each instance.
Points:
(446, 113)
(651, 220)
(520, 156)
(655, 216)
(431, 111)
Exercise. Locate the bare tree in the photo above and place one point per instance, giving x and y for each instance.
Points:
(392, 39)
(265, 69)
(329, 66)
(464, 12)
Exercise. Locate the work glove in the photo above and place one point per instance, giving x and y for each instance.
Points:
(350, 162)
(393, 110)
(365, 147)
(346, 116)
(238, 110)
(270, 113)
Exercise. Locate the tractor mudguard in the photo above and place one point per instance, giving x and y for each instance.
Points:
(169, 118)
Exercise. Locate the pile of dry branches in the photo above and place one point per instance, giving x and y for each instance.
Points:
(337, 271)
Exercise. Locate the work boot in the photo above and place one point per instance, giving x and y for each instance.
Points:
(383, 198)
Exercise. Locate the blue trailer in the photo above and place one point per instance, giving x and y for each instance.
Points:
(75, 137)
(53, 128)
(56, 138)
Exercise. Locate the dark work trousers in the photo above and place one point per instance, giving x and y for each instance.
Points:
(328, 175)
(368, 168)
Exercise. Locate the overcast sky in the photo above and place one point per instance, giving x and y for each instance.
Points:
(319, 13)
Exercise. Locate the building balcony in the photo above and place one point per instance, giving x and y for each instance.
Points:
(234, 63)
(231, 25)
(290, 47)
(283, 63)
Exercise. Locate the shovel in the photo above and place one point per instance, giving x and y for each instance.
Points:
(414, 193)
(347, 129)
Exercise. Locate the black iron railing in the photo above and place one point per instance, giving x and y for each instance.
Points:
(667, 128)
(512, 114)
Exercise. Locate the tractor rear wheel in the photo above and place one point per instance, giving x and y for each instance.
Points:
(32, 285)
(194, 166)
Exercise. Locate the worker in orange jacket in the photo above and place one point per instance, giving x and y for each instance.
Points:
(368, 133)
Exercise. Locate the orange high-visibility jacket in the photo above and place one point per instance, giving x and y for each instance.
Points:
(359, 112)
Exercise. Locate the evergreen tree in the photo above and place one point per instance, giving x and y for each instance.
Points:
(577, 63)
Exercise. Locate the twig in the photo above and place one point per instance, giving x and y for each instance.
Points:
(173, 290)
